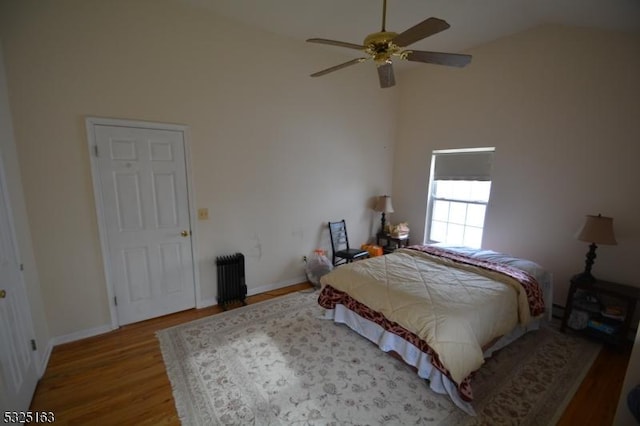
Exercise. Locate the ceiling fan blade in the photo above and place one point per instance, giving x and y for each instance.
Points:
(385, 74)
(424, 29)
(338, 67)
(336, 43)
(450, 59)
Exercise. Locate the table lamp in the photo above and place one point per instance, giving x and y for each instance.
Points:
(596, 230)
(383, 205)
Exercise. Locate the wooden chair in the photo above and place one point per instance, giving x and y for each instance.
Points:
(342, 253)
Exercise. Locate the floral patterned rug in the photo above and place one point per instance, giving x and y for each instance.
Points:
(278, 363)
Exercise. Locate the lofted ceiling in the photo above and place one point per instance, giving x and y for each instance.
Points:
(473, 22)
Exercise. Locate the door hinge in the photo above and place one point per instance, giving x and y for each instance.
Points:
(115, 300)
(22, 266)
(33, 345)
(95, 150)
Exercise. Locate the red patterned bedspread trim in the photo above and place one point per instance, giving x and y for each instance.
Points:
(530, 285)
(330, 297)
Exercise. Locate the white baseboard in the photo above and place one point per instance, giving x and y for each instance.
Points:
(82, 334)
(205, 303)
(276, 286)
(44, 360)
(256, 290)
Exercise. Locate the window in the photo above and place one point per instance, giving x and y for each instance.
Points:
(459, 194)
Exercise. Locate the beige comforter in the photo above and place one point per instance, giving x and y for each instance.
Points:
(456, 309)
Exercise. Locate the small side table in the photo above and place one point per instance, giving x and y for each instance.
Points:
(626, 295)
(391, 243)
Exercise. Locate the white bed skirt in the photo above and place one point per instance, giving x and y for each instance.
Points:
(413, 356)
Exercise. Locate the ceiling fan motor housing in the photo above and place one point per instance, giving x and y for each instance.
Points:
(380, 46)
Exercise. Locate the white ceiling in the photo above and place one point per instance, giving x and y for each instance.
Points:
(473, 22)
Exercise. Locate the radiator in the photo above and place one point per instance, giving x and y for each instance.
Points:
(231, 282)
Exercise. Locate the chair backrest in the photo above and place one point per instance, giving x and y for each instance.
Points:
(339, 238)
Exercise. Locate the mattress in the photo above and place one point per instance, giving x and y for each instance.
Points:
(441, 315)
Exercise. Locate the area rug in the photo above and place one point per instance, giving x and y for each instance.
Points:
(278, 363)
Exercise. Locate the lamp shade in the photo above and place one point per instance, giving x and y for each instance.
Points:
(598, 230)
(383, 204)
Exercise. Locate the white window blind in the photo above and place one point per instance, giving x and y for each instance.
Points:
(467, 165)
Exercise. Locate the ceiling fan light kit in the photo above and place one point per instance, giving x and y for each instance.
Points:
(383, 46)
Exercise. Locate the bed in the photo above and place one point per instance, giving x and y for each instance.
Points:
(443, 310)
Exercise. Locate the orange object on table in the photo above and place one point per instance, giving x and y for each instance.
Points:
(373, 249)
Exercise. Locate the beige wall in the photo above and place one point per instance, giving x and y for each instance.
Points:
(561, 107)
(275, 153)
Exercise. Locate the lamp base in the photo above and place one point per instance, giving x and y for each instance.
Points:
(382, 224)
(584, 277)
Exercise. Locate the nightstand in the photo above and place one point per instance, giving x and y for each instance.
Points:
(591, 300)
(391, 243)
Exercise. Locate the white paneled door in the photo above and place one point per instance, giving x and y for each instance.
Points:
(146, 220)
(18, 372)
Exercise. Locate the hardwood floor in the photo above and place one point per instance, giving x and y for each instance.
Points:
(119, 378)
(596, 400)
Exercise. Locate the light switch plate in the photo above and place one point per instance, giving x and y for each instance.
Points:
(203, 214)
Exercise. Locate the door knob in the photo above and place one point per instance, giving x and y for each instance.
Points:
(3, 294)
(185, 233)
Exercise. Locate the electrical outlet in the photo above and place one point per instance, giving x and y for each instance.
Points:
(203, 214)
(304, 259)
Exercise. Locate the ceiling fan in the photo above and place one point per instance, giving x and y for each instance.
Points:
(384, 45)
